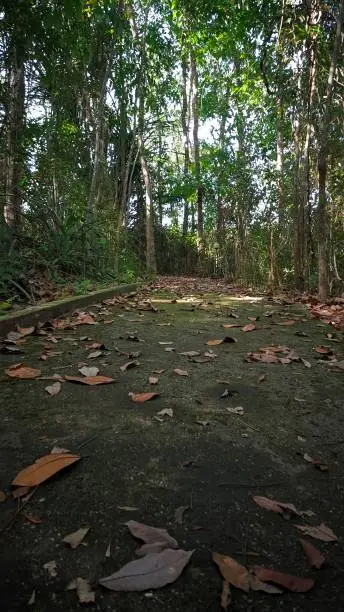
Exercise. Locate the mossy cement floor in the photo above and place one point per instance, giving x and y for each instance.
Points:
(204, 456)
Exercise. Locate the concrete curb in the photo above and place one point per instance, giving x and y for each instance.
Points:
(52, 310)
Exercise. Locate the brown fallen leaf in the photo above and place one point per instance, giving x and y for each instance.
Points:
(44, 468)
(35, 520)
(323, 350)
(306, 363)
(90, 380)
(93, 345)
(179, 514)
(84, 319)
(261, 378)
(181, 372)
(83, 589)
(226, 339)
(26, 331)
(20, 492)
(287, 581)
(3, 496)
(53, 389)
(275, 506)
(152, 571)
(153, 380)
(320, 465)
(225, 595)
(249, 327)
(315, 557)
(13, 336)
(23, 372)
(190, 353)
(151, 534)
(89, 371)
(262, 357)
(129, 365)
(108, 321)
(232, 571)
(139, 398)
(231, 325)
(319, 532)
(74, 539)
(158, 371)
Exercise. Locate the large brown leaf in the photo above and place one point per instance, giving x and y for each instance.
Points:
(248, 327)
(151, 534)
(232, 571)
(287, 581)
(152, 571)
(26, 331)
(23, 372)
(90, 380)
(315, 557)
(44, 468)
(319, 532)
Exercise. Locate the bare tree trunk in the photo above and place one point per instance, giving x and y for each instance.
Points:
(14, 122)
(323, 225)
(186, 141)
(195, 113)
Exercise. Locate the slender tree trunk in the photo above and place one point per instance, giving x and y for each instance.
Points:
(186, 141)
(323, 224)
(14, 130)
(195, 113)
(299, 221)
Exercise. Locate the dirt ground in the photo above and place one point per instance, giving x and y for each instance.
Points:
(204, 456)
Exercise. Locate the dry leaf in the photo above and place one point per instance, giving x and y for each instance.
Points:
(74, 539)
(25, 331)
(84, 319)
(261, 378)
(320, 465)
(249, 327)
(43, 468)
(90, 380)
(181, 372)
(169, 349)
(179, 514)
(13, 336)
(21, 371)
(142, 397)
(190, 353)
(275, 506)
(93, 345)
(315, 557)
(94, 354)
(166, 412)
(108, 551)
(129, 365)
(153, 380)
(323, 350)
(35, 520)
(3, 496)
(158, 371)
(20, 492)
(152, 571)
(163, 343)
(225, 595)
(127, 508)
(320, 532)
(53, 389)
(231, 325)
(32, 598)
(287, 323)
(51, 568)
(287, 581)
(151, 534)
(83, 589)
(226, 339)
(306, 363)
(57, 450)
(232, 572)
(89, 371)
(237, 410)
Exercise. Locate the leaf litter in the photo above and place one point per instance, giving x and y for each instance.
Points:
(19, 370)
(90, 380)
(319, 532)
(140, 398)
(315, 558)
(83, 590)
(45, 467)
(53, 389)
(74, 539)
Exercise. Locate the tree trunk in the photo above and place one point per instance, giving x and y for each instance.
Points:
(14, 126)
(195, 113)
(323, 225)
(186, 142)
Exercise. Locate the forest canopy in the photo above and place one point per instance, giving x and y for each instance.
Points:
(172, 136)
